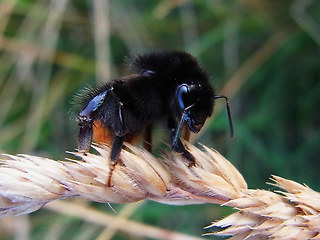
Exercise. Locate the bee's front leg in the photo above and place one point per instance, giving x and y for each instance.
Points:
(178, 145)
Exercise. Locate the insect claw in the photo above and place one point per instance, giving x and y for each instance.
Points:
(109, 180)
(192, 164)
(112, 167)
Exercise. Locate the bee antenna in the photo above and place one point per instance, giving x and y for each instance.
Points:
(228, 111)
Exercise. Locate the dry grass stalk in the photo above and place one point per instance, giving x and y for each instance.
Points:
(111, 222)
(28, 182)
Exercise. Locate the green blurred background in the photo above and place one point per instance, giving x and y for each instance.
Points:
(263, 54)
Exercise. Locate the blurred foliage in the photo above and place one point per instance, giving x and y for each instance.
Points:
(263, 54)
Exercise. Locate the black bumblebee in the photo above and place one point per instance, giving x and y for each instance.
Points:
(166, 85)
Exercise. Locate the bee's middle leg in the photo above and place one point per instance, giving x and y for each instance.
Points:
(114, 156)
(147, 139)
(116, 145)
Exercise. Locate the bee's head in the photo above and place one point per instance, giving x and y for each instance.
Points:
(195, 102)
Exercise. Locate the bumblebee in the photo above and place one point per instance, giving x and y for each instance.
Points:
(166, 86)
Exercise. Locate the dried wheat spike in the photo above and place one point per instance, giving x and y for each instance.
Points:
(293, 214)
(28, 182)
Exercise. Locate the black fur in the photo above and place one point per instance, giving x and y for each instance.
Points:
(150, 95)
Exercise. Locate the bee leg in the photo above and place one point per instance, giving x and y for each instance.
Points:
(178, 145)
(180, 148)
(85, 122)
(186, 133)
(85, 139)
(147, 139)
(114, 156)
(116, 146)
